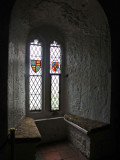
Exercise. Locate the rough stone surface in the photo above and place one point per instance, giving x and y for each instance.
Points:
(94, 146)
(27, 131)
(16, 72)
(85, 123)
(79, 140)
(87, 55)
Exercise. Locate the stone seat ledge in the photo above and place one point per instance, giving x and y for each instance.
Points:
(87, 126)
(27, 131)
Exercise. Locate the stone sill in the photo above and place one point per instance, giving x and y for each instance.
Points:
(27, 131)
(87, 126)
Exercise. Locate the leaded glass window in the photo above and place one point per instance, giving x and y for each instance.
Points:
(55, 71)
(35, 76)
(44, 76)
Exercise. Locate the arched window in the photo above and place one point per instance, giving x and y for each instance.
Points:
(35, 76)
(44, 75)
(55, 72)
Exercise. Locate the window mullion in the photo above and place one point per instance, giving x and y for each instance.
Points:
(47, 78)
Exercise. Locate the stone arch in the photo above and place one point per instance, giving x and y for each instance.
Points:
(87, 61)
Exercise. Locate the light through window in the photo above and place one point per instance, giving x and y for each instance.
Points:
(35, 76)
(44, 76)
(55, 71)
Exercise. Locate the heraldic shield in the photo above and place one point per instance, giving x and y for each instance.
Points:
(35, 64)
(55, 66)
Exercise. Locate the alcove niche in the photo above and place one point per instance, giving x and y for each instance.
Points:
(87, 56)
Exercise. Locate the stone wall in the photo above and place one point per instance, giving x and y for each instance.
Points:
(93, 145)
(80, 140)
(16, 92)
(87, 65)
(16, 68)
(86, 56)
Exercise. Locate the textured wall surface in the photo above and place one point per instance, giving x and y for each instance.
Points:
(87, 66)
(79, 140)
(16, 70)
(16, 91)
(95, 145)
(87, 54)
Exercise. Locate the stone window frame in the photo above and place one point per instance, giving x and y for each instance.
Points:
(45, 37)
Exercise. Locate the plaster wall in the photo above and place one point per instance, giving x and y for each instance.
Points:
(16, 69)
(87, 55)
(87, 65)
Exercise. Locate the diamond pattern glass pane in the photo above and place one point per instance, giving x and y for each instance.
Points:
(35, 92)
(55, 58)
(54, 92)
(35, 76)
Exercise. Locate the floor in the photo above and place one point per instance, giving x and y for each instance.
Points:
(58, 151)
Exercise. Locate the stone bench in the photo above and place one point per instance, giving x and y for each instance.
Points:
(27, 131)
(89, 136)
(26, 139)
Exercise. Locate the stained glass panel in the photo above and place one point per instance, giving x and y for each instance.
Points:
(35, 58)
(35, 76)
(35, 64)
(55, 66)
(55, 58)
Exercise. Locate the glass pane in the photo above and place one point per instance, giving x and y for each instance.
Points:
(35, 92)
(35, 76)
(54, 92)
(35, 102)
(55, 58)
(35, 58)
